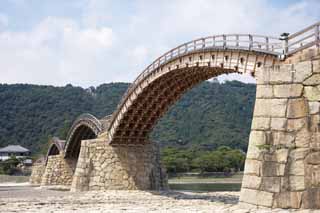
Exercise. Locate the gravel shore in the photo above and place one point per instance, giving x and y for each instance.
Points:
(24, 198)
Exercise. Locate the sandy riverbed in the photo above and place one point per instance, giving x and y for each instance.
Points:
(24, 198)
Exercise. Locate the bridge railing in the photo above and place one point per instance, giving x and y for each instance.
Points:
(303, 39)
(266, 44)
(259, 43)
(296, 42)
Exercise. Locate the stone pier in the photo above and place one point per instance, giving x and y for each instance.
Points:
(282, 169)
(102, 167)
(58, 171)
(38, 169)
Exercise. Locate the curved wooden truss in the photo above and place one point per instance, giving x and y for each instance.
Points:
(151, 96)
(56, 147)
(172, 74)
(86, 126)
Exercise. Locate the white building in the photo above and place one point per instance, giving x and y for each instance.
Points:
(13, 150)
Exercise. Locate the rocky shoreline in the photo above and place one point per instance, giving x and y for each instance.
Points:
(35, 199)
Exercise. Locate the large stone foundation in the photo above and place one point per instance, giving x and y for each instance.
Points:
(102, 167)
(283, 161)
(37, 172)
(58, 171)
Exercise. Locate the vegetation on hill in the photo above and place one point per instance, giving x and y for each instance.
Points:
(223, 159)
(210, 115)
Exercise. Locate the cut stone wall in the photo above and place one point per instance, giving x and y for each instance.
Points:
(37, 172)
(58, 171)
(104, 167)
(282, 168)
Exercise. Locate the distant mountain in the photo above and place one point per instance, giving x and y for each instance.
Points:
(209, 115)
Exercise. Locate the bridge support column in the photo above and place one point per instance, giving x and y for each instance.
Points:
(58, 171)
(104, 167)
(282, 168)
(38, 169)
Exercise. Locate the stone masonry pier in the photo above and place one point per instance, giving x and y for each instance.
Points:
(102, 167)
(283, 160)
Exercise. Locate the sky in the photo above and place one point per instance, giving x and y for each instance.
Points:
(90, 42)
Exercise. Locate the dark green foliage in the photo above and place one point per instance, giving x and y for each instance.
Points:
(9, 167)
(211, 114)
(223, 159)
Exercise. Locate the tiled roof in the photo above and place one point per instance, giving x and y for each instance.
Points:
(14, 148)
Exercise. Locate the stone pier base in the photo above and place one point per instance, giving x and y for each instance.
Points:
(58, 171)
(104, 167)
(282, 169)
(37, 172)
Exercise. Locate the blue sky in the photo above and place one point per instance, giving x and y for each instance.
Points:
(89, 42)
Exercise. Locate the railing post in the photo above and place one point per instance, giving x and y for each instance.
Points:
(237, 40)
(267, 43)
(285, 43)
(317, 34)
(224, 41)
(250, 42)
(203, 43)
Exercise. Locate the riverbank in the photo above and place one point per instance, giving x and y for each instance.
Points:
(236, 178)
(34, 199)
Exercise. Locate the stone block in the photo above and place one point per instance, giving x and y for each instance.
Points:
(303, 138)
(313, 80)
(256, 139)
(260, 123)
(312, 177)
(313, 158)
(271, 184)
(316, 66)
(297, 183)
(288, 200)
(314, 123)
(279, 155)
(288, 90)
(315, 141)
(312, 93)
(270, 107)
(251, 181)
(278, 124)
(256, 197)
(299, 153)
(310, 199)
(252, 167)
(272, 169)
(263, 76)
(314, 107)
(264, 91)
(282, 138)
(296, 124)
(302, 71)
(296, 167)
(297, 108)
(284, 75)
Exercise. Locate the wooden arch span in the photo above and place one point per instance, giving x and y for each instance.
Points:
(86, 126)
(56, 147)
(177, 71)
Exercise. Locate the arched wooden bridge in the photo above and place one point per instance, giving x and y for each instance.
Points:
(165, 80)
(282, 164)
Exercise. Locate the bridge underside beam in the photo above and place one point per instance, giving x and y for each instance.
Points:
(153, 95)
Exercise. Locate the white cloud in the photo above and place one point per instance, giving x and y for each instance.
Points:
(114, 42)
(4, 21)
(55, 52)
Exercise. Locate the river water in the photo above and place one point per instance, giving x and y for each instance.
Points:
(205, 187)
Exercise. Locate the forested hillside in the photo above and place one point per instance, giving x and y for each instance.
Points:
(210, 115)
